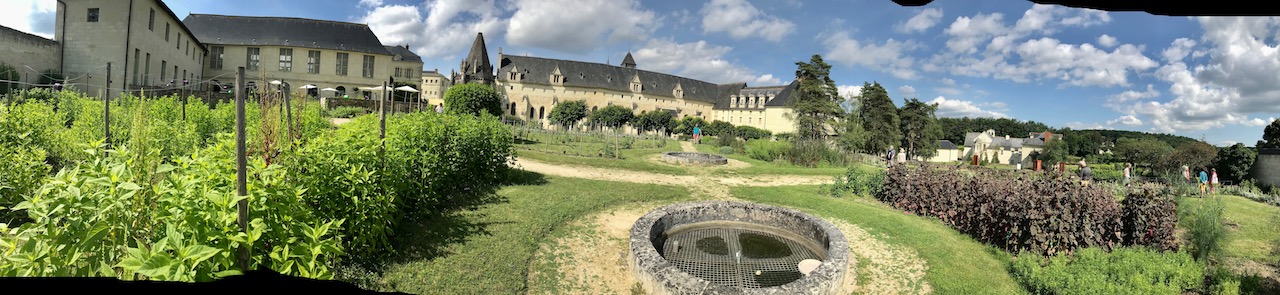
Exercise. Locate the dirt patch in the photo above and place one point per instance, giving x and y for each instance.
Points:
(879, 268)
(594, 258)
(1269, 274)
(733, 164)
(603, 174)
(339, 121)
(776, 180)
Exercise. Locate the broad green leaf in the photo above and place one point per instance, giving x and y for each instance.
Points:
(131, 264)
(106, 270)
(200, 253)
(156, 267)
(227, 273)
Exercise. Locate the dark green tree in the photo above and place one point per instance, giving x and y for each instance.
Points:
(1144, 151)
(717, 127)
(659, 120)
(879, 118)
(1193, 154)
(686, 124)
(816, 102)
(1270, 136)
(920, 129)
(1233, 162)
(472, 98)
(8, 73)
(1054, 151)
(569, 113)
(614, 116)
(851, 137)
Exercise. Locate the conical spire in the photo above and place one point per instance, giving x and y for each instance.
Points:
(479, 56)
(628, 62)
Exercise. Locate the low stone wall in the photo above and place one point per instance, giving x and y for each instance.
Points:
(691, 158)
(372, 105)
(1266, 168)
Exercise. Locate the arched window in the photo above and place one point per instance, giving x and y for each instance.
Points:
(342, 91)
(593, 109)
(541, 111)
(513, 109)
(530, 112)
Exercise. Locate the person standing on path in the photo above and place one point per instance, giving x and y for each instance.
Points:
(1128, 168)
(697, 134)
(1086, 173)
(1213, 179)
(1204, 180)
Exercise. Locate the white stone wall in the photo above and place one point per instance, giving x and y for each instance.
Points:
(235, 56)
(535, 101)
(121, 33)
(21, 50)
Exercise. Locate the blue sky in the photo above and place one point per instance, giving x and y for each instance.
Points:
(1213, 78)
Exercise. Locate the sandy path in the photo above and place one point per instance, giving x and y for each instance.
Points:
(681, 180)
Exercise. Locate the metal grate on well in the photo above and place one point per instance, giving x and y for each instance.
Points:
(737, 257)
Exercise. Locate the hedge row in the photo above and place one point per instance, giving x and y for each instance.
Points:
(1045, 213)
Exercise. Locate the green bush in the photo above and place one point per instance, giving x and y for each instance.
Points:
(766, 150)
(22, 170)
(1204, 227)
(346, 112)
(858, 181)
(448, 159)
(1122, 271)
(726, 150)
(98, 218)
(811, 154)
(749, 133)
(472, 98)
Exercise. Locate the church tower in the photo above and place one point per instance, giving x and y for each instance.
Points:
(628, 62)
(476, 67)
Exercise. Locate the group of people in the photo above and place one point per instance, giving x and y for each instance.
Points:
(1086, 173)
(1207, 178)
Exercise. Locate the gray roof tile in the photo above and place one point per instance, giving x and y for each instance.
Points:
(404, 53)
(538, 70)
(284, 31)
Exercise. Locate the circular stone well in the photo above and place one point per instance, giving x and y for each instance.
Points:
(692, 158)
(727, 247)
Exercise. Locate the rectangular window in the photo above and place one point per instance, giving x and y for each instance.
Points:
(313, 61)
(164, 67)
(188, 47)
(215, 57)
(251, 59)
(166, 32)
(151, 21)
(397, 72)
(286, 59)
(136, 55)
(146, 75)
(178, 45)
(175, 72)
(341, 68)
(93, 15)
(368, 66)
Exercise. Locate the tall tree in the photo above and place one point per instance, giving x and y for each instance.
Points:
(472, 98)
(879, 118)
(568, 113)
(1234, 162)
(1193, 154)
(613, 116)
(817, 102)
(851, 136)
(1270, 136)
(920, 129)
(1144, 151)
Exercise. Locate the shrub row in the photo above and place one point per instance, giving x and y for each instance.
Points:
(431, 162)
(1044, 213)
(767, 150)
(1121, 271)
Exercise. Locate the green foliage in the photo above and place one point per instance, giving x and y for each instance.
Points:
(726, 150)
(22, 171)
(852, 137)
(346, 112)
(717, 127)
(879, 118)
(569, 113)
(685, 125)
(1150, 218)
(812, 153)
(816, 103)
(9, 73)
(613, 116)
(1054, 151)
(1121, 271)
(1045, 213)
(1192, 154)
(447, 160)
(99, 218)
(858, 181)
(658, 120)
(920, 129)
(767, 150)
(1146, 151)
(728, 139)
(1204, 227)
(1270, 136)
(1234, 162)
(472, 98)
(749, 133)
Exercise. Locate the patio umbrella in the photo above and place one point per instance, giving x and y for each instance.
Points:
(329, 89)
(406, 89)
(308, 86)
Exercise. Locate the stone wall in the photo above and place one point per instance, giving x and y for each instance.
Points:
(1266, 168)
(21, 50)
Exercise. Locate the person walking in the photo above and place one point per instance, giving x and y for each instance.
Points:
(1204, 180)
(697, 134)
(1128, 168)
(1086, 173)
(1213, 180)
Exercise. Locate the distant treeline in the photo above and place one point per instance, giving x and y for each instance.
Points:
(1079, 142)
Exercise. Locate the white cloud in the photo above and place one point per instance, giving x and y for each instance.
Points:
(922, 21)
(370, 3)
(1127, 96)
(848, 91)
(683, 16)
(953, 108)
(445, 32)
(36, 17)
(948, 81)
(742, 20)
(1178, 50)
(1083, 125)
(966, 33)
(544, 24)
(891, 57)
(698, 60)
(907, 91)
(1107, 41)
(1126, 120)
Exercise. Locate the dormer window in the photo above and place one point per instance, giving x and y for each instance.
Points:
(556, 77)
(515, 75)
(677, 92)
(636, 86)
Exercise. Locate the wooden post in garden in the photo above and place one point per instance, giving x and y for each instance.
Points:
(288, 110)
(106, 109)
(382, 113)
(241, 188)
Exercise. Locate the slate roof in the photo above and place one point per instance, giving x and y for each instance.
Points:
(284, 31)
(537, 70)
(947, 144)
(628, 61)
(781, 95)
(404, 53)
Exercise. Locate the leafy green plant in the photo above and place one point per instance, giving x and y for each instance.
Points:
(858, 181)
(726, 150)
(22, 170)
(346, 112)
(472, 98)
(767, 150)
(1204, 228)
(1122, 271)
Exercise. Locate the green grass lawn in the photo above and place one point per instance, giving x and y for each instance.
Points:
(957, 264)
(489, 250)
(759, 167)
(1257, 228)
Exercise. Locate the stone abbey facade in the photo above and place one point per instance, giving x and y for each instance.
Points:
(532, 86)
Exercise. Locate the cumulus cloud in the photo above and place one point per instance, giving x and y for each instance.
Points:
(907, 91)
(849, 90)
(954, 108)
(742, 20)
(891, 57)
(36, 17)
(698, 60)
(439, 29)
(922, 21)
(1119, 99)
(1178, 50)
(371, 3)
(1126, 120)
(1107, 41)
(543, 23)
